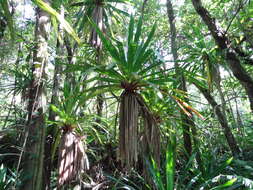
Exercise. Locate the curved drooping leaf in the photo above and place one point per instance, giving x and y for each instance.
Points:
(47, 8)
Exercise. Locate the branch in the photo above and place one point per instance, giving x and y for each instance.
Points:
(236, 13)
(217, 33)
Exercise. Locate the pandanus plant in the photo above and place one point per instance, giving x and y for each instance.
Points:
(72, 159)
(131, 71)
(102, 12)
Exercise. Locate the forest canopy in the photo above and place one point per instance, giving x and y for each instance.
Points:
(126, 94)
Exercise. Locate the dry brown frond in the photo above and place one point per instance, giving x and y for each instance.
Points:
(128, 126)
(152, 136)
(150, 139)
(132, 106)
(72, 159)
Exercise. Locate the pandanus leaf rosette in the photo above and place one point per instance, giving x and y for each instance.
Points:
(133, 71)
(72, 159)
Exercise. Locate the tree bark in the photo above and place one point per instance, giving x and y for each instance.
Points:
(33, 167)
(224, 44)
(222, 120)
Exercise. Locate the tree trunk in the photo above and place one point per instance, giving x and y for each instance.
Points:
(52, 130)
(96, 42)
(100, 105)
(186, 123)
(3, 26)
(71, 57)
(35, 129)
(217, 80)
(238, 116)
(224, 44)
(231, 112)
(222, 120)
(97, 17)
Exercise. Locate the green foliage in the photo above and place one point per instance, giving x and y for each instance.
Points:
(111, 13)
(74, 98)
(7, 178)
(128, 184)
(131, 59)
(157, 176)
(46, 7)
(217, 174)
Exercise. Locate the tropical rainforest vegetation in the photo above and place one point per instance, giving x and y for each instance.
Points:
(126, 94)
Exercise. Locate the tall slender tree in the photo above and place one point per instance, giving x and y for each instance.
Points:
(222, 120)
(35, 127)
(101, 13)
(51, 132)
(95, 41)
(187, 122)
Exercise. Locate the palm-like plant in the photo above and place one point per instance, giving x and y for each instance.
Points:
(101, 12)
(169, 173)
(72, 159)
(133, 72)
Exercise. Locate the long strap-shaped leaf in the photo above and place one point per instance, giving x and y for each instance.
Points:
(138, 31)
(140, 53)
(47, 8)
(131, 30)
(170, 163)
(113, 50)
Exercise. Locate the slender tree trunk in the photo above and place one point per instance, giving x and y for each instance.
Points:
(71, 51)
(6, 18)
(225, 45)
(52, 130)
(231, 112)
(36, 107)
(186, 121)
(143, 7)
(222, 120)
(96, 42)
(3, 26)
(238, 116)
(97, 17)
(217, 80)
(100, 105)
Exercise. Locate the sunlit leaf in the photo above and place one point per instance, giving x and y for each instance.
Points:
(47, 8)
